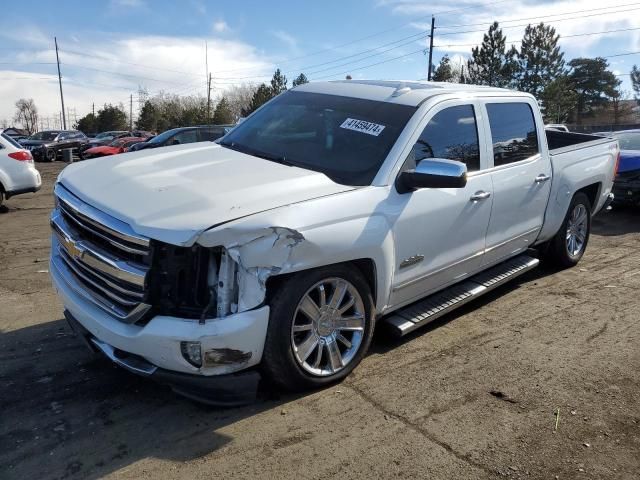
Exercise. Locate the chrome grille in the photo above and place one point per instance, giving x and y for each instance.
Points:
(100, 257)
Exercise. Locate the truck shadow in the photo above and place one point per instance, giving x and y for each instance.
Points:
(384, 341)
(617, 221)
(68, 414)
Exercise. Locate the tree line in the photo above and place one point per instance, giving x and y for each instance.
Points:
(567, 91)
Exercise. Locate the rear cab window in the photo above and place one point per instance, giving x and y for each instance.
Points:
(513, 132)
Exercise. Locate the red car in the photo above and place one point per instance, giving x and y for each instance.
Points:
(119, 145)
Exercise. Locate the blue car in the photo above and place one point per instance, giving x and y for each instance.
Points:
(626, 186)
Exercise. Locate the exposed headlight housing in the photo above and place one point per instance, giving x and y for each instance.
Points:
(192, 353)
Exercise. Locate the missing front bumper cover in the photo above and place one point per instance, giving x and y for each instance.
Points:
(228, 390)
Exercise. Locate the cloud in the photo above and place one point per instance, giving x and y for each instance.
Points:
(220, 26)
(111, 67)
(285, 38)
(128, 3)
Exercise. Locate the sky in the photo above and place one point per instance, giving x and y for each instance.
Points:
(109, 49)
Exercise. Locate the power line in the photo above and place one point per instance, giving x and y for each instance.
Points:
(371, 65)
(561, 37)
(414, 37)
(376, 34)
(634, 4)
(619, 55)
(538, 18)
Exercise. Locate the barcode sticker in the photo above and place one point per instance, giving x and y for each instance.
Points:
(362, 126)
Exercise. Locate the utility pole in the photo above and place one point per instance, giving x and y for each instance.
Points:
(433, 23)
(208, 77)
(131, 112)
(64, 119)
(93, 109)
(209, 99)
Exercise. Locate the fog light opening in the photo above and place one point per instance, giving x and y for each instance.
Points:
(192, 353)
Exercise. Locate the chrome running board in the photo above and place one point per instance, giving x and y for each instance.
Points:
(427, 310)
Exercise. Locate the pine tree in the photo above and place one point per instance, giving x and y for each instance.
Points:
(540, 60)
(262, 95)
(278, 83)
(558, 100)
(491, 64)
(222, 114)
(300, 80)
(635, 82)
(594, 84)
(445, 71)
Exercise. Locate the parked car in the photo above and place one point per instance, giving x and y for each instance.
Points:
(179, 136)
(557, 126)
(48, 144)
(17, 172)
(103, 138)
(626, 185)
(16, 133)
(335, 206)
(117, 146)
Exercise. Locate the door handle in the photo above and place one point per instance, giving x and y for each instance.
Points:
(481, 195)
(542, 178)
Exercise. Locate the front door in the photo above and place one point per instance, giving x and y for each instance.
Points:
(440, 233)
(521, 179)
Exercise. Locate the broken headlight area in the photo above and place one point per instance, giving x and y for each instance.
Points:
(193, 282)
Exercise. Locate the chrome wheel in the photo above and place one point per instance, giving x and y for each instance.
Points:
(328, 327)
(577, 230)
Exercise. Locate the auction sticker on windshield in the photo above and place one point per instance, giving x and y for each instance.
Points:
(362, 126)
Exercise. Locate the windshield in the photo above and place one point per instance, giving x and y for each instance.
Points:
(11, 140)
(46, 136)
(345, 138)
(628, 141)
(117, 143)
(164, 136)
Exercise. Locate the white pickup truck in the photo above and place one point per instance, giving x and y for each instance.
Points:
(334, 207)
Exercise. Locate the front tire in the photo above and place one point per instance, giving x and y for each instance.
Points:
(320, 327)
(568, 245)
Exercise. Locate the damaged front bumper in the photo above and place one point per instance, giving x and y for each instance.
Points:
(229, 345)
(233, 389)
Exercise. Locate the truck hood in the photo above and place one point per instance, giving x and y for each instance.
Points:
(172, 194)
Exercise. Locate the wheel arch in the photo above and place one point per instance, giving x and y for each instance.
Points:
(366, 266)
(592, 192)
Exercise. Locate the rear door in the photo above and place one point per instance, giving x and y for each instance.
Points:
(440, 232)
(521, 177)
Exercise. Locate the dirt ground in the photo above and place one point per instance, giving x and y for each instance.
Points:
(472, 396)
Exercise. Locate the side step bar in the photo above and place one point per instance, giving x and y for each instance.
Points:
(427, 310)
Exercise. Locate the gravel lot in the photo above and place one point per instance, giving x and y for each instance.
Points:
(473, 396)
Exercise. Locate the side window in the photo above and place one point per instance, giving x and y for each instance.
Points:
(210, 134)
(513, 132)
(451, 134)
(187, 136)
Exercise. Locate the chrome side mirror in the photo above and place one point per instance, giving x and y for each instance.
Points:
(433, 173)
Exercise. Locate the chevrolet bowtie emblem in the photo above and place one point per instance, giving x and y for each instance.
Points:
(72, 249)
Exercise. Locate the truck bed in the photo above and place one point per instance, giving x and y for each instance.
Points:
(559, 141)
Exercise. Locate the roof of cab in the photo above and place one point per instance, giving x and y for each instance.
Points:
(402, 92)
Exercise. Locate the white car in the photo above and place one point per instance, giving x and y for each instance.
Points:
(17, 171)
(334, 207)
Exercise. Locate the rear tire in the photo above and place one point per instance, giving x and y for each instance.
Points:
(320, 327)
(568, 245)
(51, 155)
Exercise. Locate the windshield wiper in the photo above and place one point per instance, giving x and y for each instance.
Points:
(257, 153)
